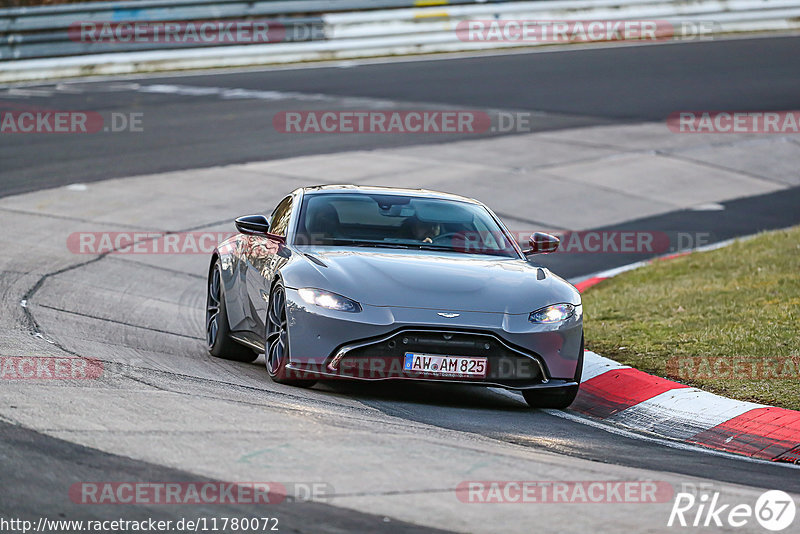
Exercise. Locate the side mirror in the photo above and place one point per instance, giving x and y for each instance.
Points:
(542, 243)
(257, 225)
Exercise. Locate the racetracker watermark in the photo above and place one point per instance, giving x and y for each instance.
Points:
(191, 524)
(609, 241)
(577, 242)
(49, 368)
(582, 31)
(68, 122)
(377, 121)
(205, 492)
(206, 32)
(418, 365)
(710, 122)
(592, 241)
(734, 368)
(145, 242)
(564, 492)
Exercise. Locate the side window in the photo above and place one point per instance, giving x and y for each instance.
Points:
(279, 222)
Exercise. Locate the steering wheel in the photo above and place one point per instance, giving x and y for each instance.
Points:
(449, 235)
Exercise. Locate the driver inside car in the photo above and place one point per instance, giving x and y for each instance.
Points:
(413, 228)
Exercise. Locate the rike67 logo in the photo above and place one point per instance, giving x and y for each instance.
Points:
(774, 510)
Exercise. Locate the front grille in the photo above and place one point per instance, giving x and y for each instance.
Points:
(384, 358)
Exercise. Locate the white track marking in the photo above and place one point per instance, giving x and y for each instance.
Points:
(68, 88)
(16, 91)
(681, 413)
(595, 365)
(661, 441)
(228, 93)
(711, 206)
(584, 420)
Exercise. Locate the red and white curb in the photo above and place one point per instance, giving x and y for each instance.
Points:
(621, 395)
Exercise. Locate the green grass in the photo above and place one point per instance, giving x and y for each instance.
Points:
(737, 304)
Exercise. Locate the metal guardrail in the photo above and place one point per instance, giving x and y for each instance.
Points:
(44, 31)
(36, 40)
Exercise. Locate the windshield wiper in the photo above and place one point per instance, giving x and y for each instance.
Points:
(385, 244)
(356, 243)
(409, 246)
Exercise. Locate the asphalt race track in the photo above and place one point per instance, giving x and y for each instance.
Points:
(596, 86)
(166, 411)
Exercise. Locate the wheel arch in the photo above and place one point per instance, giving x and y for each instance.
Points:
(227, 282)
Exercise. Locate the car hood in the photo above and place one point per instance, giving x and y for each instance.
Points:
(433, 280)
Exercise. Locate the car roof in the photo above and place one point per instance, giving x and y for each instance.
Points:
(380, 190)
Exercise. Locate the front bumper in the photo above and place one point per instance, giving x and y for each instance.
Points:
(369, 345)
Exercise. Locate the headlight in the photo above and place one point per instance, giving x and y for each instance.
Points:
(326, 299)
(552, 314)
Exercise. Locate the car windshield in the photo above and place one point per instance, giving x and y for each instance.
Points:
(398, 221)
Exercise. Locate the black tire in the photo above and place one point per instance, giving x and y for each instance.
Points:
(276, 343)
(218, 340)
(558, 398)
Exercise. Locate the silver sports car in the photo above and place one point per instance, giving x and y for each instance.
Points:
(372, 283)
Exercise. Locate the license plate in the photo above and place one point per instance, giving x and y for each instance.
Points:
(452, 366)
